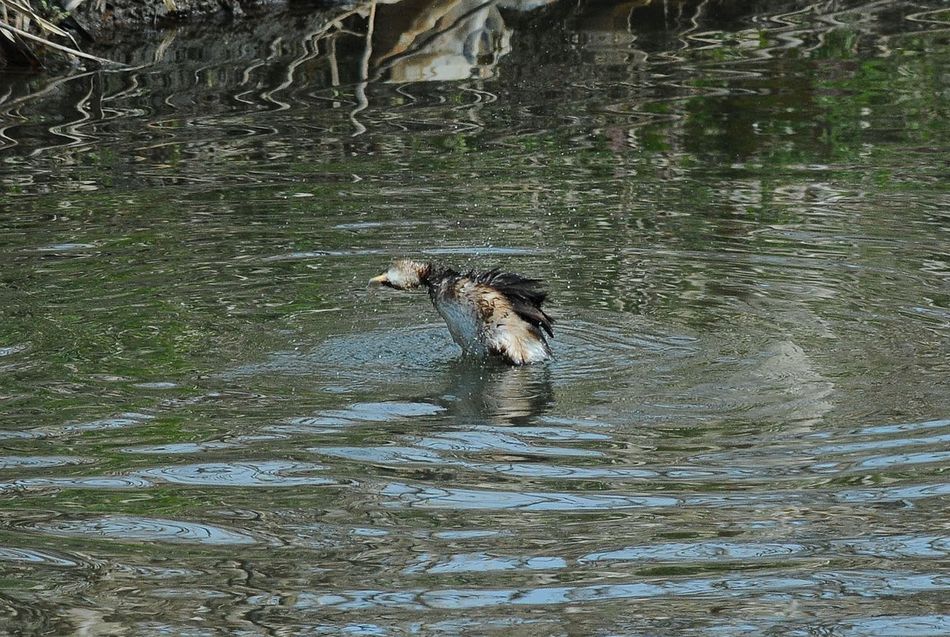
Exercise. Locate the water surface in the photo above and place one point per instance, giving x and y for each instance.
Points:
(209, 425)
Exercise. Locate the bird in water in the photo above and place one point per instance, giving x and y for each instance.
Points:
(491, 313)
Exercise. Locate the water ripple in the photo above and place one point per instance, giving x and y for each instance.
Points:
(178, 448)
(129, 528)
(885, 547)
(827, 584)
(895, 626)
(241, 474)
(438, 498)
(406, 495)
(480, 563)
(482, 441)
(39, 462)
(740, 218)
(91, 482)
(10, 554)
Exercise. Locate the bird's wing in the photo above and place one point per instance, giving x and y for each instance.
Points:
(525, 296)
(507, 332)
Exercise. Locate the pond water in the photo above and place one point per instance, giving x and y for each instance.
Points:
(209, 425)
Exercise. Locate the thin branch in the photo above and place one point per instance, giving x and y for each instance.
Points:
(58, 47)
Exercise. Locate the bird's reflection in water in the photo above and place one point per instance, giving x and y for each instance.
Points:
(481, 391)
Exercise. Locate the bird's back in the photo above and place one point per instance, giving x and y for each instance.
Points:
(495, 312)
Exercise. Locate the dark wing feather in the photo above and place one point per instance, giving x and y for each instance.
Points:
(526, 295)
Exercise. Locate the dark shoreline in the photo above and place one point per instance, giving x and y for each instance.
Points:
(93, 30)
(89, 24)
(129, 13)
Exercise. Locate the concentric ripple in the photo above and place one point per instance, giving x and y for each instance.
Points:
(134, 529)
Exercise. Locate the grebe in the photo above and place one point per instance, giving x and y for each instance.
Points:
(488, 313)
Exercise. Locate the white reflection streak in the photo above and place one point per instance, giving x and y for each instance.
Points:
(9, 107)
(5, 140)
(472, 110)
(308, 54)
(685, 36)
(245, 79)
(71, 129)
(362, 102)
(273, 54)
(163, 47)
(130, 91)
(927, 17)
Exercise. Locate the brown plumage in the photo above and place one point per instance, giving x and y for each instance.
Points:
(488, 313)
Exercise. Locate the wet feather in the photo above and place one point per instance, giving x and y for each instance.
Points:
(491, 312)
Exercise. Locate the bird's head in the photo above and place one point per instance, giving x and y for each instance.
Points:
(403, 274)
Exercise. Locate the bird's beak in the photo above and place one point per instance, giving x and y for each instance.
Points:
(379, 280)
